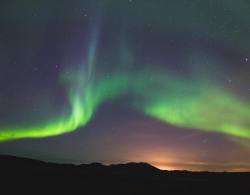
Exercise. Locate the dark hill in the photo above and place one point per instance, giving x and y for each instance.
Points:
(130, 178)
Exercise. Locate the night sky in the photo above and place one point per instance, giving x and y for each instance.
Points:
(160, 81)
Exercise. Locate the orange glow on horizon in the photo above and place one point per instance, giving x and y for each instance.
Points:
(179, 160)
(165, 167)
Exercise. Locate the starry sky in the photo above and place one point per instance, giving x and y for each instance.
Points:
(114, 81)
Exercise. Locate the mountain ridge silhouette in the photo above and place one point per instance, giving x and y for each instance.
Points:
(128, 178)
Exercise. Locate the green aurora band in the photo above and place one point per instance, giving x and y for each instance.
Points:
(183, 103)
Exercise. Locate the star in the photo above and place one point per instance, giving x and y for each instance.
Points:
(35, 69)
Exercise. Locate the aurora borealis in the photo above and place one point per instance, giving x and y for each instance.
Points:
(85, 74)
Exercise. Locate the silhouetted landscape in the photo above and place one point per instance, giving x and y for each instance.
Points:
(130, 178)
